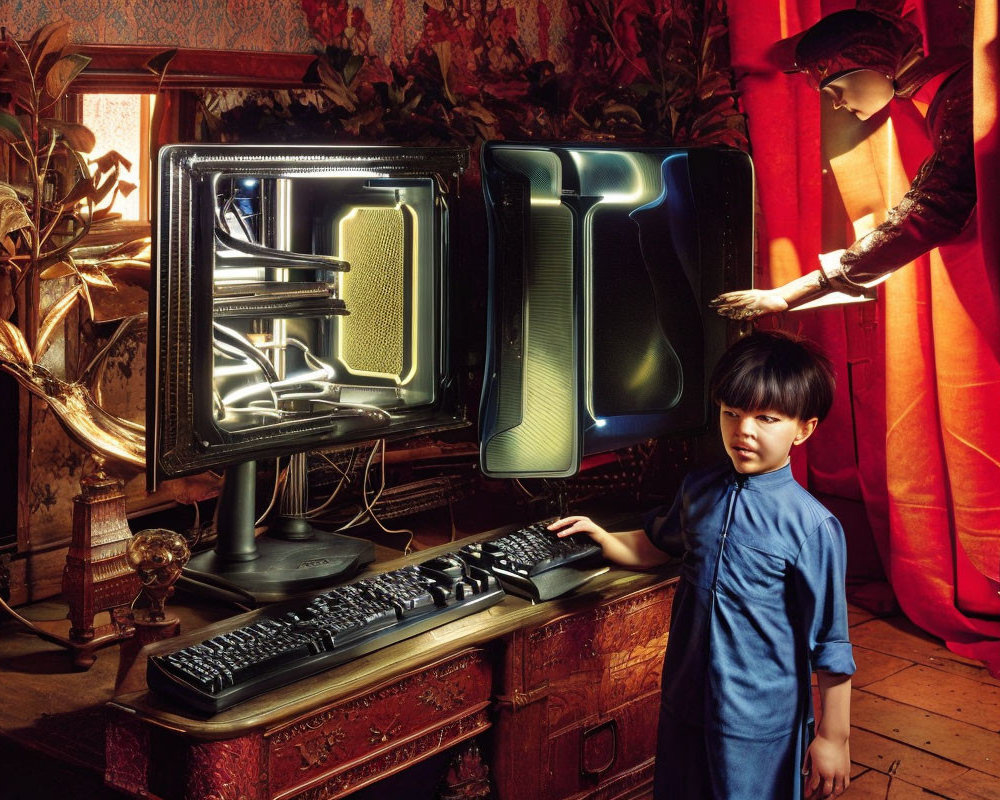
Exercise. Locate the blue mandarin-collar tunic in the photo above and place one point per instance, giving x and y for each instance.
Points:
(759, 606)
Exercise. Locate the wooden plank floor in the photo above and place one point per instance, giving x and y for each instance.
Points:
(925, 722)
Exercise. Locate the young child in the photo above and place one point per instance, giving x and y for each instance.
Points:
(760, 604)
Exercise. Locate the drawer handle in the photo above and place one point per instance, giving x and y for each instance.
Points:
(605, 728)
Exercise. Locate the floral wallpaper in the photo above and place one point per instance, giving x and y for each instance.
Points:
(394, 29)
(277, 25)
(391, 27)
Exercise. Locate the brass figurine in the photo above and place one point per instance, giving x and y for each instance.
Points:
(158, 555)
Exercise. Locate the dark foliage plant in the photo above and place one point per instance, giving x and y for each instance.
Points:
(641, 71)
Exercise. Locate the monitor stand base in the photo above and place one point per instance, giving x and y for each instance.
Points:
(282, 568)
(254, 570)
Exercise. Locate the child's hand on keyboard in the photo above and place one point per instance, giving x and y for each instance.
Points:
(567, 526)
(628, 548)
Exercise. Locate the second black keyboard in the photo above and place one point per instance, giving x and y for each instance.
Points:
(298, 638)
(534, 563)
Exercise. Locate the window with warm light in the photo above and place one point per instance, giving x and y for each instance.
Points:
(120, 122)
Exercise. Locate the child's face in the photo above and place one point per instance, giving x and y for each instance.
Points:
(761, 440)
(862, 92)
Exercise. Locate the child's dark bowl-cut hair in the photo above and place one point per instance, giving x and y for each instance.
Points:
(777, 371)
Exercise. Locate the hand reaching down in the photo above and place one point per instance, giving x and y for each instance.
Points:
(749, 303)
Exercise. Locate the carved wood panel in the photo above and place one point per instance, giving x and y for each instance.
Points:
(225, 770)
(126, 753)
(614, 629)
(584, 756)
(583, 691)
(600, 659)
(383, 730)
(396, 758)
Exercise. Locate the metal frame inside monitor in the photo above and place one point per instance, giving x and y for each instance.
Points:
(182, 437)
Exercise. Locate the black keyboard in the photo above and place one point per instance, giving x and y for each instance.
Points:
(535, 563)
(298, 638)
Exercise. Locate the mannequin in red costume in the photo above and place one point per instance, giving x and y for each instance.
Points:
(863, 59)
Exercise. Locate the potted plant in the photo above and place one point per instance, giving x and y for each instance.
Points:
(56, 223)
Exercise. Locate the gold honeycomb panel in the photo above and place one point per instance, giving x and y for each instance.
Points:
(379, 291)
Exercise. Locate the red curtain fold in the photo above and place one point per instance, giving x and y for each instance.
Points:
(925, 377)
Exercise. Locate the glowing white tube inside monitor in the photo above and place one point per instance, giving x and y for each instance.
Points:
(282, 241)
(337, 173)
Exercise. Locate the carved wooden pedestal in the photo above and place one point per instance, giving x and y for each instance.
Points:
(97, 576)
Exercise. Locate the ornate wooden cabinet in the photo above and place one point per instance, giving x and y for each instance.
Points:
(576, 714)
(320, 755)
(561, 696)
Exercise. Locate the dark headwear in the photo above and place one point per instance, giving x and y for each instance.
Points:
(850, 40)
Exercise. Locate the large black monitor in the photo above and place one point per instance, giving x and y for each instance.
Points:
(602, 262)
(299, 300)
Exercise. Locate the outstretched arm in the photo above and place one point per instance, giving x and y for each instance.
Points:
(828, 759)
(628, 548)
(938, 206)
(750, 303)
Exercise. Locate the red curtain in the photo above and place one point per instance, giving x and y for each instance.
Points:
(924, 388)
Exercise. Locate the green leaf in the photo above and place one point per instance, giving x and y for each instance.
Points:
(354, 63)
(10, 127)
(335, 89)
(63, 72)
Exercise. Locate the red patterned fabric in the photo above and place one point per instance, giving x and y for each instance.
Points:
(925, 382)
